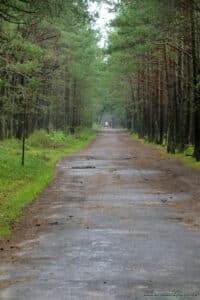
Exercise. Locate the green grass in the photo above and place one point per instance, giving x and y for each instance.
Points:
(186, 157)
(97, 126)
(21, 185)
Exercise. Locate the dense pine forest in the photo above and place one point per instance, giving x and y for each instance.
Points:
(154, 58)
(48, 65)
(54, 76)
(48, 72)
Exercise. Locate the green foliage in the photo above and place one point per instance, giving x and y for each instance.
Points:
(48, 66)
(154, 67)
(40, 138)
(20, 185)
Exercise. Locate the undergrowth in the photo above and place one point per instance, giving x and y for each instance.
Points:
(20, 185)
(185, 156)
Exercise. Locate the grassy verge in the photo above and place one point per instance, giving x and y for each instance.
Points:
(186, 157)
(21, 185)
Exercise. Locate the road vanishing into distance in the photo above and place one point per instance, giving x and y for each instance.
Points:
(112, 225)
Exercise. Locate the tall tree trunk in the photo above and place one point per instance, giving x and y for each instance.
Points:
(196, 72)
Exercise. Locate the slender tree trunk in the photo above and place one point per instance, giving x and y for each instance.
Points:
(196, 72)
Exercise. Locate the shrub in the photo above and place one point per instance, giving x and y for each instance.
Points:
(58, 138)
(40, 138)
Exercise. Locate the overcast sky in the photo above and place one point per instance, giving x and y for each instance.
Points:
(104, 18)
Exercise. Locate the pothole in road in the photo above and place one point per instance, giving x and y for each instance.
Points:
(124, 157)
(83, 167)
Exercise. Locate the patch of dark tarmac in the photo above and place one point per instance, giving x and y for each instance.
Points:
(83, 167)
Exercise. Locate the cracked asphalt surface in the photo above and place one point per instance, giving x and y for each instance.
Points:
(106, 230)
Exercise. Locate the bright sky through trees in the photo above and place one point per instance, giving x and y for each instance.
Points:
(102, 22)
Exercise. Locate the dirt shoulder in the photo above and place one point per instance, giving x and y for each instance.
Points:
(176, 177)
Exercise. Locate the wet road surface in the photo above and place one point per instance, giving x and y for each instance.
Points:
(107, 234)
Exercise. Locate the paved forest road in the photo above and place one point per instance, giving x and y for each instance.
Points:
(106, 230)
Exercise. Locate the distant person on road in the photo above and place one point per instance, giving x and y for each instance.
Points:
(106, 125)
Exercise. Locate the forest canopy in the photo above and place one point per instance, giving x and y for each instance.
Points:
(154, 49)
(48, 66)
(54, 76)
